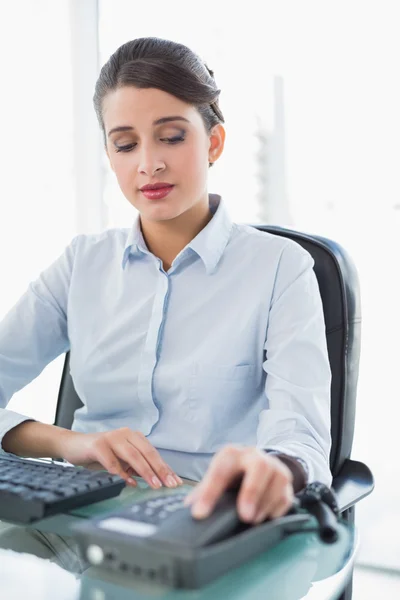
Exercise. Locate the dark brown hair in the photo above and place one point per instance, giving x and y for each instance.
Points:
(152, 62)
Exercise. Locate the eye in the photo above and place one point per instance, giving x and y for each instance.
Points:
(173, 140)
(124, 148)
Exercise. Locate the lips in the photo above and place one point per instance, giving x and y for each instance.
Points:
(157, 194)
(156, 186)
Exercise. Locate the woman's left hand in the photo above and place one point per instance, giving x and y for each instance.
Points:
(266, 488)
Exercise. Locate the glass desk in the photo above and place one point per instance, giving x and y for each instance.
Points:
(299, 567)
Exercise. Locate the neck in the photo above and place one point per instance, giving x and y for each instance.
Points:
(165, 239)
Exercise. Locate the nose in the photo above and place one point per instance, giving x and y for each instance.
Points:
(149, 162)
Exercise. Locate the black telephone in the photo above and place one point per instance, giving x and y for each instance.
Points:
(158, 540)
(166, 520)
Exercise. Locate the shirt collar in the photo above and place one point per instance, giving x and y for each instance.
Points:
(209, 243)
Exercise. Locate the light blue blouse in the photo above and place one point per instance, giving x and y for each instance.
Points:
(227, 347)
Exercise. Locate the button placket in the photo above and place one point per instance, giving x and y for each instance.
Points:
(150, 351)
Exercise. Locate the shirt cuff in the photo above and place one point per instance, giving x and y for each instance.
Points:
(297, 466)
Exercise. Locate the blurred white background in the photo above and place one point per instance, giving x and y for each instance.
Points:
(320, 81)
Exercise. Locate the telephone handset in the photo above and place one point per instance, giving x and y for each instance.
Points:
(166, 520)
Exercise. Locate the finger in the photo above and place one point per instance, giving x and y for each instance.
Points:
(282, 478)
(255, 486)
(128, 469)
(153, 458)
(279, 506)
(138, 462)
(106, 457)
(223, 469)
(194, 493)
(284, 504)
(191, 496)
(131, 473)
(96, 466)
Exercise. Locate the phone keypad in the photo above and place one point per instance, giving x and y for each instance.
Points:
(156, 509)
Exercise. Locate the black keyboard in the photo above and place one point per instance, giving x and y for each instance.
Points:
(32, 490)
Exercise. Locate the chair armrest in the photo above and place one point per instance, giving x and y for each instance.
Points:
(353, 482)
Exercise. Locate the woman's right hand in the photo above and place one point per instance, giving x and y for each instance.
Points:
(122, 452)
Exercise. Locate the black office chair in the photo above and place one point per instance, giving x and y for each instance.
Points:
(339, 288)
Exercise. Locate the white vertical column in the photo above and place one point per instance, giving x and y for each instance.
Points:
(279, 203)
(88, 173)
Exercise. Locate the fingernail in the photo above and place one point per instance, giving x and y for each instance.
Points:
(247, 511)
(200, 510)
(171, 481)
(155, 481)
(178, 479)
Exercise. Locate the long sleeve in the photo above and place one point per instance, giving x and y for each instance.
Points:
(296, 420)
(33, 333)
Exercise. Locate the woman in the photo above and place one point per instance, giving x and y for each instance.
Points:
(197, 345)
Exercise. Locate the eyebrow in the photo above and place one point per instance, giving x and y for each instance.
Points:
(157, 122)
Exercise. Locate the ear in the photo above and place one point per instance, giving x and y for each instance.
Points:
(217, 142)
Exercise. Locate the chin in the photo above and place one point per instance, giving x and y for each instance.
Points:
(163, 213)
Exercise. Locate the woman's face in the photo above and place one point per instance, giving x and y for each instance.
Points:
(142, 151)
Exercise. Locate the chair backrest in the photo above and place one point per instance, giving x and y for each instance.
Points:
(68, 400)
(339, 287)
